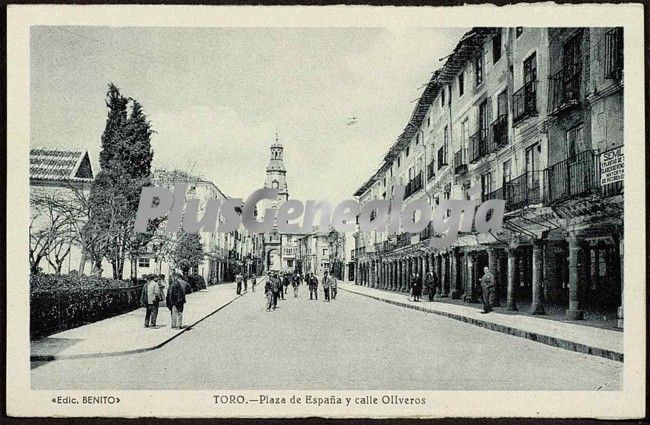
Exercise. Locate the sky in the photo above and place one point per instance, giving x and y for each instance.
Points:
(216, 97)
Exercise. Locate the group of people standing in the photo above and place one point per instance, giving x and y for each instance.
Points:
(432, 283)
(277, 286)
(154, 292)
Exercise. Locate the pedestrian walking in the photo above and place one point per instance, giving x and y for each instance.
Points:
(268, 291)
(312, 282)
(487, 286)
(253, 282)
(286, 281)
(295, 282)
(333, 286)
(276, 287)
(154, 296)
(416, 286)
(245, 282)
(175, 301)
(326, 286)
(239, 279)
(431, 283)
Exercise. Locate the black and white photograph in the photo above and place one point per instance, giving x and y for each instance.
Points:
(444, 213)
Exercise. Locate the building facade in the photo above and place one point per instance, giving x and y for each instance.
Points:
(532, 116)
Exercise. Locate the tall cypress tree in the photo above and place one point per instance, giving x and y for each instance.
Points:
(125, 161)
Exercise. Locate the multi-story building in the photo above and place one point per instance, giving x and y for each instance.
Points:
(225, 253)
(532, 116)
(319, 251)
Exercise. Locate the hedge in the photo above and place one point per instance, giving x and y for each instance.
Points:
(60, 302)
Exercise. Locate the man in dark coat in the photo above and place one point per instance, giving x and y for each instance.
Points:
(268, 291)
(175, 302)
(286, 281)
(313, 286)
(416, 286)
(431, 282)
(276, 286)
(487, 285)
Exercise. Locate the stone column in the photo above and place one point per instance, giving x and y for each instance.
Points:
(384, 274)
(620, 315)
(493, 262)
(575, 274)
(454, 293)
(390, 275)
(443, 276)
(469, 281)
(537, 306)
(511, 304)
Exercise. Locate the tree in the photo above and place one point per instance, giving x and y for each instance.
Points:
(187, 252)
(125, 162)
(49, 230)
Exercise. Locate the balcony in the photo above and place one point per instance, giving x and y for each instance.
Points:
(524, 102)
(564, 90)
(403, 239)
(614, 54)
(413, 186)
(460, 161)
(427, 232)
(574, 176)
(523, 191)
(495, 194)
(478, 145)
(442, 158)
(499, 132)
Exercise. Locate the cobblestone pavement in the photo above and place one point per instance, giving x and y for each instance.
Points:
(353, 342)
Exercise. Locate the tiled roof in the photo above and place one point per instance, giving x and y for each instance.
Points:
(59, 165)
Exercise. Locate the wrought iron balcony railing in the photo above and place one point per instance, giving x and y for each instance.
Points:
(523, 191)
(478, 145)
(460, 161)
(574, 176)
(499, 132)
(413, 185)
(524, 102)
(564, 90)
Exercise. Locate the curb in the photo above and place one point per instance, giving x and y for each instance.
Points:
(533, 336)
(52, 357)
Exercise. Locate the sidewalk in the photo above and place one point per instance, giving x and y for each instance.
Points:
(584, 339)
(126, 333)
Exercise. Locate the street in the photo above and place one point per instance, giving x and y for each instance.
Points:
(353, 342)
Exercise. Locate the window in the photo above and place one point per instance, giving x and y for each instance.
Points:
(461, 84)
(507, 171)
(502, 103)
(445, 143)
(478, 67)
(275, 184)
(574, 138)
(411, 173)
(442, 97)
(532, 165)
(399, 161)
(530, 69)
(496, 46)
(407, 151)
(324, 251)
(429, 120)
(417, 139)
(143, 262)
(486, 185)
(464, 134)
(519, 31)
